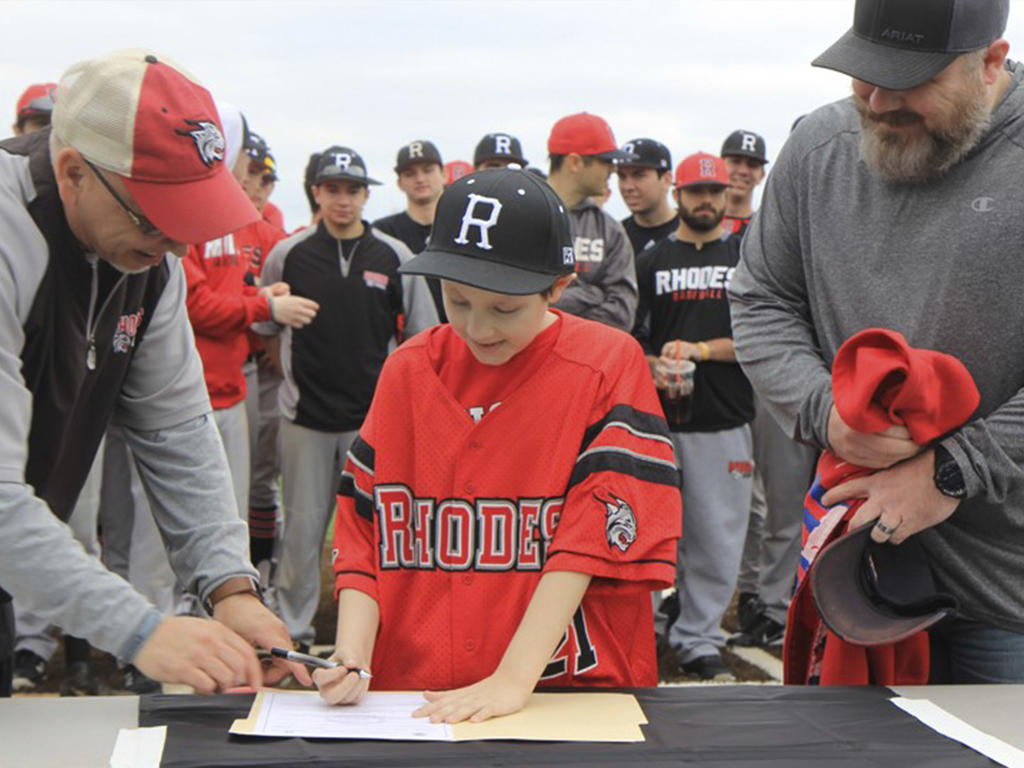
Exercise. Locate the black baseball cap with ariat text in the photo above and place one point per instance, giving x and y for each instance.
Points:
(502, 230)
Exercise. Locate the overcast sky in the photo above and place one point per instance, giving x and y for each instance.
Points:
(376, 75)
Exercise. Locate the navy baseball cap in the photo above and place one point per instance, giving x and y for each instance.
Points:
(647, 153)
(341, 164)
(875, 594)
(745, 144)
(502, 230)
(419, 151)
(900, 44)
(499, 146)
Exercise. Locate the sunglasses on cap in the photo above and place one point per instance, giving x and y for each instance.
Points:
(144, 225)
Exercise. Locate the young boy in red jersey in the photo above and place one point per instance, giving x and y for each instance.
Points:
(505, 512)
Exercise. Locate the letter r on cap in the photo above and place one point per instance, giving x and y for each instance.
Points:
(416, 149)
(503, 145)
(749, 143)
(342, 159)
(483, 225)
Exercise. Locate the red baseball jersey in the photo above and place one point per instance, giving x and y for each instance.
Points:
(222, 304)
(449, 512)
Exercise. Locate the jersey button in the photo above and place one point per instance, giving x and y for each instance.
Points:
(467, 579)
(470, 645)
(475, 445)
(469, 488)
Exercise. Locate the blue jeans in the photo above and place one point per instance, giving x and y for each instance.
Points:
(965, 651)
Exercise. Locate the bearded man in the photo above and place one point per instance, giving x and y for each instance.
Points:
(683, 312)
(899, 208)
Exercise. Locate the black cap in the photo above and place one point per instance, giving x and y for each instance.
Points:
(499, 146)
(255, 146)
(419, 151)
(745, 144)
(647, 153)
(502, 230)
(875, 594)
(341, 163)
(900, 44)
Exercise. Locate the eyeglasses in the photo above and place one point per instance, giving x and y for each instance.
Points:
(147, 227)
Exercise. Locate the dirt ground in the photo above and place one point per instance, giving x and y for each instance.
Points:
(109, 676)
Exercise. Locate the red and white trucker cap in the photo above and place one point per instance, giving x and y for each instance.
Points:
(141, 116)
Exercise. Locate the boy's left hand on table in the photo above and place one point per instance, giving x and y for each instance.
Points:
(491, 697)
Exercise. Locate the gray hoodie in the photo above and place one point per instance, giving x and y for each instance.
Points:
(835, 248)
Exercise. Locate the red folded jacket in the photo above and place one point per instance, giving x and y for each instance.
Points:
(878, 381)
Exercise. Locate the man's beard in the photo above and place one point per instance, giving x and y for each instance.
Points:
(702, 223)
(926, 154)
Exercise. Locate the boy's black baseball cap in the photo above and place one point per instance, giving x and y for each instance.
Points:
(900, 44)
(875, 594)
(502, 230)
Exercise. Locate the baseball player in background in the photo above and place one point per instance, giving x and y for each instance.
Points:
(582, 150)
(644, 183)
(498, 150)
(421, 177)
(502, 514)
(745, 156)
(331, 366)
(684, 313)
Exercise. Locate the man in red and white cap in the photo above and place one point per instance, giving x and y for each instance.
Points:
(94, 330)
(34, 108)
(684, 313)
(582, 151)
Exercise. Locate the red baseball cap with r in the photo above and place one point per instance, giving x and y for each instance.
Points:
(701, 169)
(139, 115)
(585, 134)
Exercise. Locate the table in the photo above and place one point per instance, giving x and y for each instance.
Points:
(711, 725)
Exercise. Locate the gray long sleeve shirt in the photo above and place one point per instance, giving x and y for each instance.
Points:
(161, 402)
(605, 286)
(835, 249)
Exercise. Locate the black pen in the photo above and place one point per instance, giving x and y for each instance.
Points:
(315, 661)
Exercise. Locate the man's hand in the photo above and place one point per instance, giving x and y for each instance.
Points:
(340, 685)
(247, 616)
(203, 654)
(276, 289)
(876, 450)
(903, 498)
(678, 349)
(491, 697)
(293, 311)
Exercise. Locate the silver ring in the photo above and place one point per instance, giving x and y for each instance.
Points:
(888, 530)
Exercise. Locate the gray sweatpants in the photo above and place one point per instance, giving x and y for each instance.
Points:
(311, 464)
(234, 433)
(782, 475)
(717, 475)
(264, 417)
(32, 629)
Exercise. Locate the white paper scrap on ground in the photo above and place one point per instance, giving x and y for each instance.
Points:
(139, 747)
(377, 716)
(954, 728)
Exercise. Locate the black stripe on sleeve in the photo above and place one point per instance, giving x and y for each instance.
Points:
(364, 505)
(347, 486)
(357, 573)
(639, 420)
(363, 452)
(624, 464)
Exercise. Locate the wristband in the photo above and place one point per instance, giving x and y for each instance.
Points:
(270, 308)
(244, 585)
(705, 350)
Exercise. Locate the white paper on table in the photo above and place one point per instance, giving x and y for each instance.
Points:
(938, 719)
(377, 716)
(139, 747)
